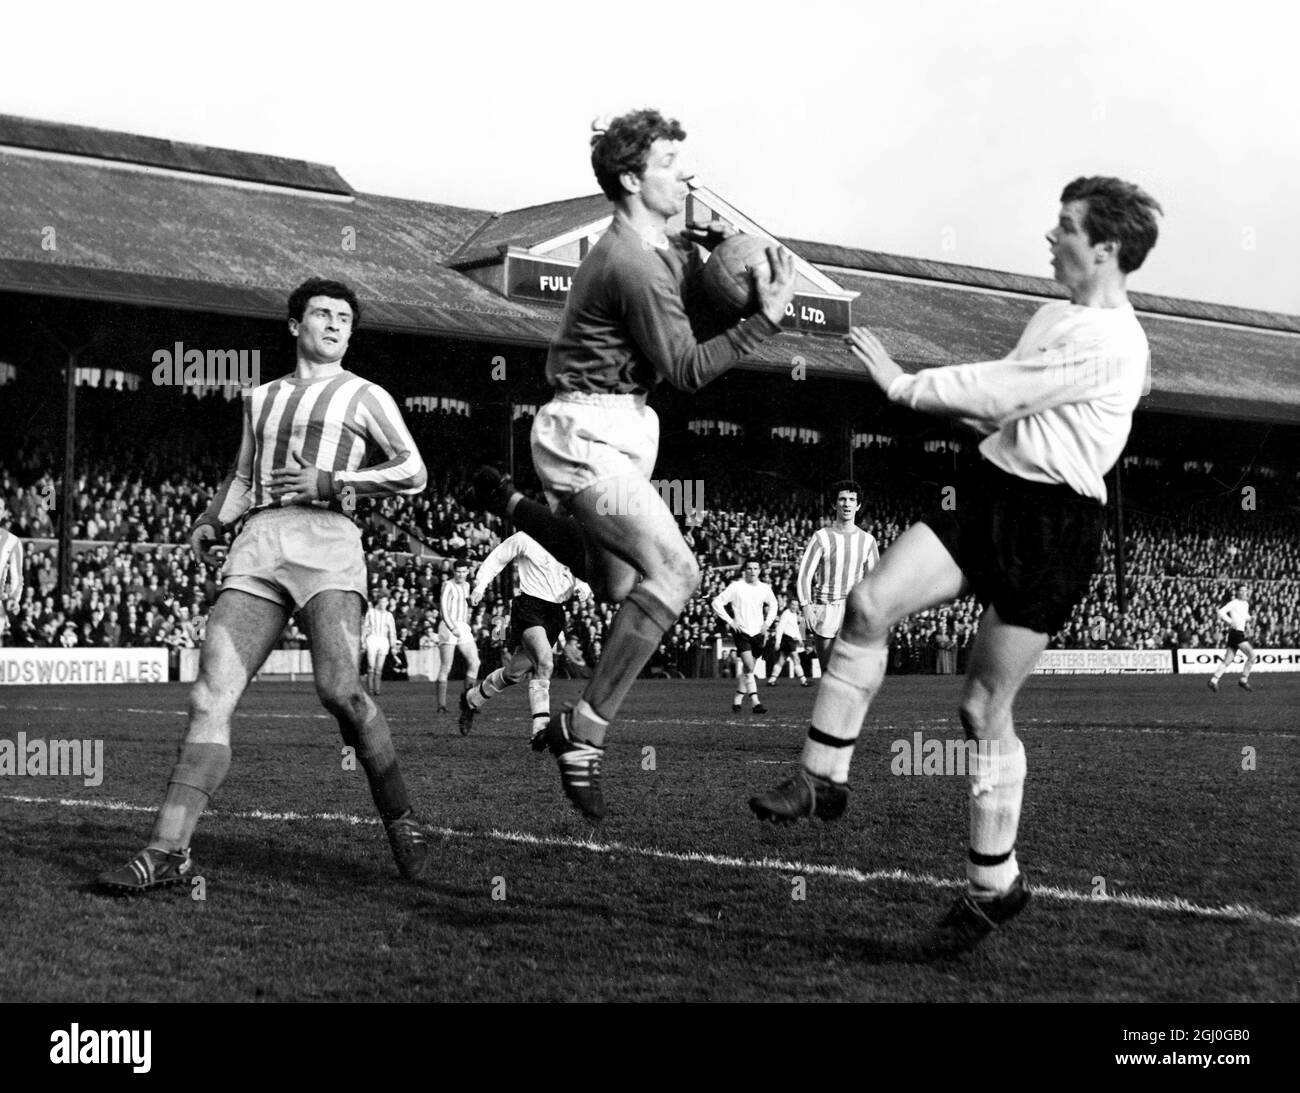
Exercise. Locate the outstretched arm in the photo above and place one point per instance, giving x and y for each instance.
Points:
(494, 563)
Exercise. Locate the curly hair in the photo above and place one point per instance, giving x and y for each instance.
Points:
(623, 145)
(1118, 212)
(846, 486)
(318, 286)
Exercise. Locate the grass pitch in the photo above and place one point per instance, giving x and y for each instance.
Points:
(1159, 828)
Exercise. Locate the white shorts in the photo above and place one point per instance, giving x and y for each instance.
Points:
(287, 555)
(376, 652)
(825, 619)
(580, 439)
(458, 635)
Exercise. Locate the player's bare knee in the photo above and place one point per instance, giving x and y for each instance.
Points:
(679, 580)
(207, 703)
(983, 716)
(866, 617)
(344, 699)
(545, 666)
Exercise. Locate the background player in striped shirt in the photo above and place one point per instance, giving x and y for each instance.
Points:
(11, 571)
(789, 641)
(1236, 613)
(536, 623)
(837, 558)
(749, 607)
(379, 631)
(299, 466)
(1025, 536)
(455, 635)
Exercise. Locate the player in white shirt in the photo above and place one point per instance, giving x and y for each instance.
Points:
(1025, 539)
(753, 609)
(379, 632)
(11, 571)
(536, 623)
(789, 641)
(837, 558)
(454, 633)
(1236, 613)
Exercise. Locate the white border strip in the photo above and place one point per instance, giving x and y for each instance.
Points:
(1234, 912)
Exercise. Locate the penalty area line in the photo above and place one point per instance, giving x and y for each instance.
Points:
(1177, 904)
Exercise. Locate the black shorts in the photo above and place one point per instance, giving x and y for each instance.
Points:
(1027, 548)
(750, 643)
(789, 646)
(1235, 638)
(527, 612)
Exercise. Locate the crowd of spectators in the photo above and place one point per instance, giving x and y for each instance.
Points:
(133, 582)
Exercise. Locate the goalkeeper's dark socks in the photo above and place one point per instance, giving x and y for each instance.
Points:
(558, 534)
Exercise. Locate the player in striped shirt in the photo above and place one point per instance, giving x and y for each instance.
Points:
(837, 558)
(455, 635)
(1024, 537)
(749, 607)
(1236, 614)
(296, 478)
(11, 571)
(379, 632)
(536, 623)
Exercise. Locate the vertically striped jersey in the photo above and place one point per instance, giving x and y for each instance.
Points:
(11, 570)
(454, 604)
(833, 563)
(379, 626)
(325, 423)
(541, 574)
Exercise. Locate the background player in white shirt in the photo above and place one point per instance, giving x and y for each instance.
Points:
(837, 558)
(536, 623)
(379, 632)
(789, 642)
(455, 635)
(11, 571)
(1236, 613)
(1025, 538)
(753, 609)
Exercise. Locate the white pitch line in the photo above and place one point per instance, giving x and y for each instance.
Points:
(1235, 912)
(779, 721)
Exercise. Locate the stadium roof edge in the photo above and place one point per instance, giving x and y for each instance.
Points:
(869, 261)
(109, 145)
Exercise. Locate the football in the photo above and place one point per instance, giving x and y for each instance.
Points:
(727, 282)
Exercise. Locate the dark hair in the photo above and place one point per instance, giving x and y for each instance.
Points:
(623, 146)
(753, 560)
(1118, 212)
(318, 286)
(847, 486)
